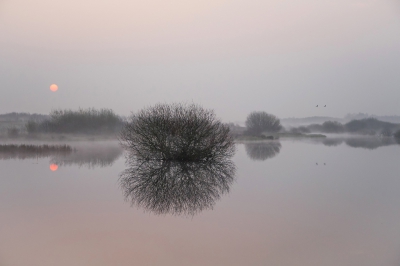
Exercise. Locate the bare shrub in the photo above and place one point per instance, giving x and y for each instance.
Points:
(259, 122)
(31, 127)
(13, 132)
(177, 132)
(332, 127)
(301, 130)
(397, 134)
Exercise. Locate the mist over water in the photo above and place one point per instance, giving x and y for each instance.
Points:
(91, 155)
(86, 154)
(312, 202)
(201, 132)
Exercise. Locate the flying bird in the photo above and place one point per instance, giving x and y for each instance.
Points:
(325, 105)
(316, 106)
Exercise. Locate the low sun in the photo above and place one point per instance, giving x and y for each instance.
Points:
(53, 167)
(53, 87)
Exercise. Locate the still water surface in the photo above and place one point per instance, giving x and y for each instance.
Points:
(333, 202)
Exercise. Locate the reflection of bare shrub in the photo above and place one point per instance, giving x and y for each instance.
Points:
(22, 152)
(332, 142)
(176, 187)
(90, 156)
(262, 150)
(177, 132)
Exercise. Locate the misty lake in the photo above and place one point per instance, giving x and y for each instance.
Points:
(291, 202)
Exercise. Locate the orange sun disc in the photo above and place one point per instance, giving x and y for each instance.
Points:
(53, 167)
(53, 87)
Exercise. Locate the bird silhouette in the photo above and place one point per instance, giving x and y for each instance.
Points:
(325, 105)
(316, 163)
(316, 106)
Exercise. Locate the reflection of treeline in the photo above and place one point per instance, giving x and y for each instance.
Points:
(12, 151)
(99, 155)
(367, 126)
(90, 156)
(83, 121)
(370, 143)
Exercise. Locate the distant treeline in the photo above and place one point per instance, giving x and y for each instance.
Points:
(367, 126)
(106, 122)
(83, 121)
(349, 117)
(14, 117)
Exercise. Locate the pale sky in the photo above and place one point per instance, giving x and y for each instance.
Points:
(279, 56)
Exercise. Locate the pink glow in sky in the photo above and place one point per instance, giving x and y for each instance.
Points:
(234, 56)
